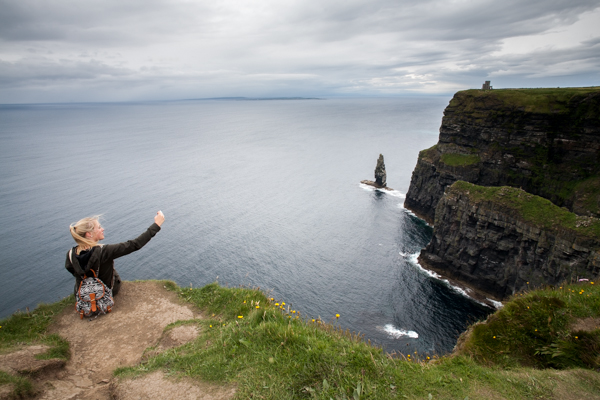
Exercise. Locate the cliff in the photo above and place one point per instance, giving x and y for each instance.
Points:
(501, 240)
(545, 141)
(535, 143)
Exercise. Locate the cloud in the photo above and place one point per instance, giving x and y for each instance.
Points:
(153, 49)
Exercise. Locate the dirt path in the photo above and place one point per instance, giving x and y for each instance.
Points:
(100, 345)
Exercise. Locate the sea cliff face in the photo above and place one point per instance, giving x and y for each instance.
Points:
(501, 240)
(542, 143)
(545, 141)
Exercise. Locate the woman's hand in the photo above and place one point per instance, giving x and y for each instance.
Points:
(159, 218)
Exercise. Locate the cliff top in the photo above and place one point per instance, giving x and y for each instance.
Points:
(541, 101)
(263, 349)
(531, 208)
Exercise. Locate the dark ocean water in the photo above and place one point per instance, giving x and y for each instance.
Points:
(256, 193)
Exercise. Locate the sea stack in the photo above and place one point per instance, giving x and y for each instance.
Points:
(380, 176)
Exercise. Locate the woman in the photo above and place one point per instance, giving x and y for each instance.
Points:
(90, 255)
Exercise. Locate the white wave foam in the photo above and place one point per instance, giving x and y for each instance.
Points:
(495, 303)
(396, 333)
(395, 193)
(413, 258)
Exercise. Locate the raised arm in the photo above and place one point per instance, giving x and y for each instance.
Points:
(112, 251)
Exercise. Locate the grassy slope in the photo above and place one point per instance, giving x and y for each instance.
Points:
(532, 209)
(537, 329)
(24, 328)
(273, 353)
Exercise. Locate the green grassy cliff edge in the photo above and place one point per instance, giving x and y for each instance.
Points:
(270, 351)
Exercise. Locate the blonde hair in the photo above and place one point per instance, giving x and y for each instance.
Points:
(80, 228)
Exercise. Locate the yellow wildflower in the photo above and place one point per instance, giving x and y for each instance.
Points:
(240, 316)
(337, 315)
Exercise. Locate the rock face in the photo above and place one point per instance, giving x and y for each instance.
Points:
(543, 141)
(546, 141)
(486, 238)
(380, 175)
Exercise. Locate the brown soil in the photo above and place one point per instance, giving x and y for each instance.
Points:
(100, 345)
(157, 386)
(586, 324)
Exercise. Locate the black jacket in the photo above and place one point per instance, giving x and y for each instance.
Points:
(101, 259)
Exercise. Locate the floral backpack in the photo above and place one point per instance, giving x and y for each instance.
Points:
(93, 297)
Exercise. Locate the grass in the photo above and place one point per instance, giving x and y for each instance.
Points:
(23, 328)
(542, 100)
(536, 329)
(21, 386)
(269, 351)
(272, 352)
(459, 160)
(429, 153)
(531, 208)
(30, 327)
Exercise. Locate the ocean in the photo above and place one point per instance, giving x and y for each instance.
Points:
(256, 193)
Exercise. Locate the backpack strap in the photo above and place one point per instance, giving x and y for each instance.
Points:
(76, 265)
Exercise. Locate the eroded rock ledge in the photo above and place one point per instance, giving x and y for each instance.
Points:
(500, 240)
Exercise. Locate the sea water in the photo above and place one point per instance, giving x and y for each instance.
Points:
(258, 193)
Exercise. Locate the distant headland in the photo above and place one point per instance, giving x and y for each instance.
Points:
(255, 98)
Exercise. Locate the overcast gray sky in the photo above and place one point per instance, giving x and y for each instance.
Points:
(118, 50)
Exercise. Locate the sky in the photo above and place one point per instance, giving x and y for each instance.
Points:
(136, 50)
